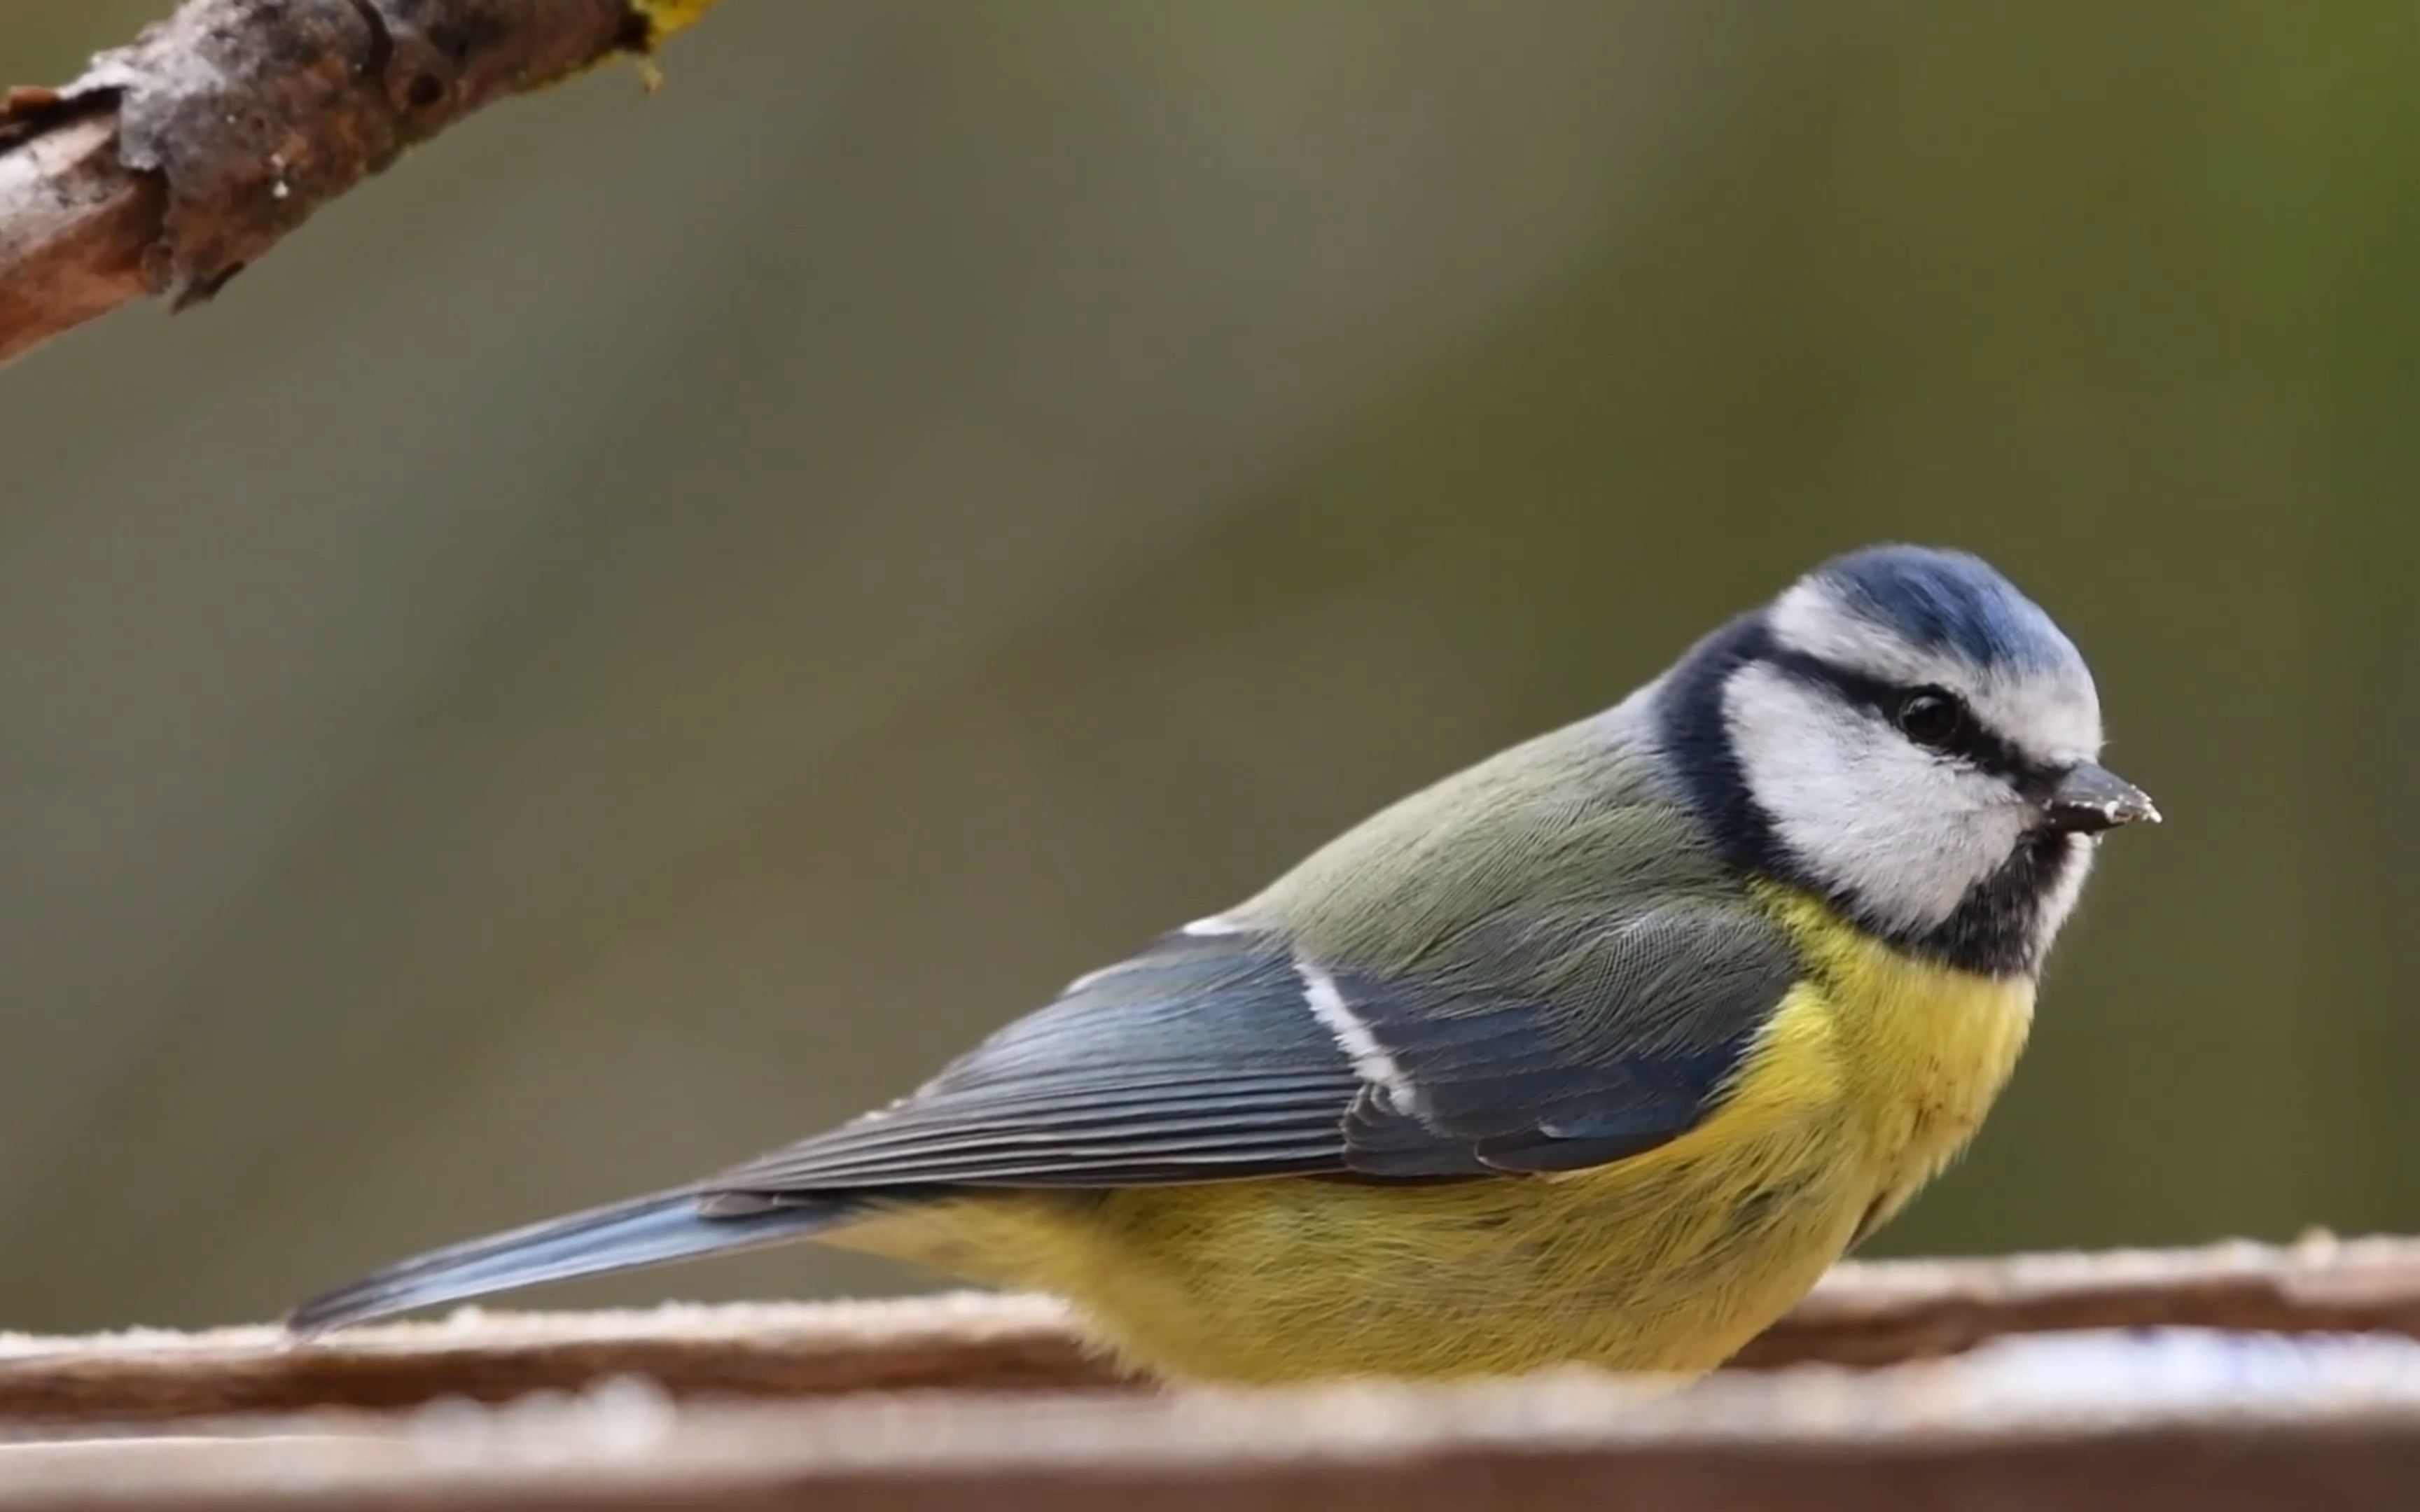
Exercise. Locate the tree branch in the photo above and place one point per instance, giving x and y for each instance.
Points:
(177, 161)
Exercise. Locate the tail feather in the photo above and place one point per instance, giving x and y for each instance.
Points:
(622, 1237)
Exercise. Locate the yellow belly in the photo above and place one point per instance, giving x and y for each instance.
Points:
(1874, 1072)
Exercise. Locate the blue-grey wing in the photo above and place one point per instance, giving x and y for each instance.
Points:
(1218, 1056)
(1192, 1058)
(1648, 1019)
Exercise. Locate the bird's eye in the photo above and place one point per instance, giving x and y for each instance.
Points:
(1930, 717)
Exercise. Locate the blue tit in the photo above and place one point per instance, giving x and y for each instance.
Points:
(1600, 1051)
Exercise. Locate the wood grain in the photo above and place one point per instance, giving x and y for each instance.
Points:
(1864, 1315)
(2234, 1376)
(2085, 1421)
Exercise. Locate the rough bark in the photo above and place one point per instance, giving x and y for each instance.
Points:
(181, 157)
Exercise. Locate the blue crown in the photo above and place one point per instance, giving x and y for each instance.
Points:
(1943, 600)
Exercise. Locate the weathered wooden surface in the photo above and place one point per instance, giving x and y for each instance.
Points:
(2120, 1380)
(2241, 1376)
(2140, 1420)
(1868, 1314)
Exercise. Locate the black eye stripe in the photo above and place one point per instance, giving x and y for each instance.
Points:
(1997, 929)
(1975, 743)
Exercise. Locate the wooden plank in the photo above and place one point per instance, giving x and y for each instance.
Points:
(2084, 1420)
(1865, 1314)
(2239, 1376)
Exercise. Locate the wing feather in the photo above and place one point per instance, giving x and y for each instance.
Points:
(1195, 1057)
(1208, 1063)
(1541, 965)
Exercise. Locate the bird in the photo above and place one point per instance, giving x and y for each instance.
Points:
(1599, 1052)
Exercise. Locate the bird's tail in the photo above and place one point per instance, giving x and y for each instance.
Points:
(625, 1236)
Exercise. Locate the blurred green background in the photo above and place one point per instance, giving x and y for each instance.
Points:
(642, 632)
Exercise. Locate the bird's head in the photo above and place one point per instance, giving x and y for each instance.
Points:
(1905, 732)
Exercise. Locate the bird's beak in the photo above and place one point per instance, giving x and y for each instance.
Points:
(2090, 797)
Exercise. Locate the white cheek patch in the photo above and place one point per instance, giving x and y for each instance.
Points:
(2054, 714)
(1860, 808)
(2059, 902)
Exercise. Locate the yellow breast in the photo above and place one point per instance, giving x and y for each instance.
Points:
(1870, 1075)
(1923, 1050)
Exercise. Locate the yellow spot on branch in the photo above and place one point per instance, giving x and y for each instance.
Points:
(665, 17)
